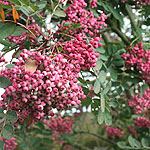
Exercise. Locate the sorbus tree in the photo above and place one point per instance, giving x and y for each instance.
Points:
(75, 74)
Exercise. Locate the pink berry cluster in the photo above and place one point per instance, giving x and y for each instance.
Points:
(132, 131)
(5, 2)
(77, 13)
(112, 132)
(81, 53)
(140, 59)
(93, 3)
(142, 122)
(9, 144)
(139, 103)
(32, 27)
(59, 126)
(139, 2)
(67, 147)
(53, 84)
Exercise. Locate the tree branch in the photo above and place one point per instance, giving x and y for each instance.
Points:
(98, 136)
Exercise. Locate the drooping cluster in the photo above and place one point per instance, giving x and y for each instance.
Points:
(9, 144)
(112, 132)
(77, 13)
(139, 103)
(140, 59)
(142, 122)
(39, 84)
(34, 33)
(81, 53)
(59, 126)
(139, 2)
(93, 3)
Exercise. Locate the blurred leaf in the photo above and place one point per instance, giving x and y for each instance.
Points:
(102, 76)
(108, 118)
(18, 31)
(145, 142)
(4, 42)
(6, 29)
(100, 117)
(107, 88)
(7, 131)
(42, 4)
(98, 65)
(115, 13)
(102, 102)
(60, 13)
(97, 86)
(2, 145)
(113, 73)
(15, 2)
(11, 116)
(4, 82)
(10, 66)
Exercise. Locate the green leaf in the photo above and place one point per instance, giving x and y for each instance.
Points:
(102, 76)
(7, 29)
(102, 102)
(15, 2)
(26, 2)
(10, 66)
(133, 142)
(7, 131)
(142, 89)
(122, 145)
(98, 65)
(108, 118)
(42, 4)
(100, 117)
(115, 13)
(107, 88)
(27, 43)
(145, 142)
(76, 25)
(113, 73)
(33, 7)
(100, 50)
(1, 113)
(60, 13)
(97, 86)
(11, 116)
(2, 145)
(66, 24)
(4, 82)
(103, 57)
(4, 42)
(18, 31)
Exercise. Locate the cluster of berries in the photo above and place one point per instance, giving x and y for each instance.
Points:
(112, 132)
(77, 13)
(93, 3)
(142, 122)
(139, 103)
(5, 2)
(9, 144)
(59, 126)
(139, 59)
(82, 55)
(49, 83)
(34, 32)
